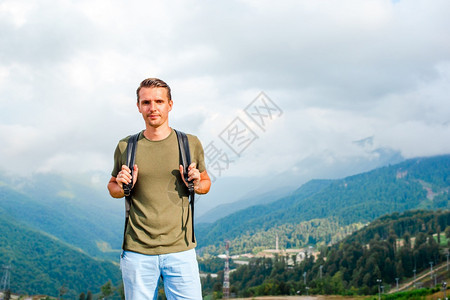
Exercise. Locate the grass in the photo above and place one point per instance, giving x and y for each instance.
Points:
(444, 239)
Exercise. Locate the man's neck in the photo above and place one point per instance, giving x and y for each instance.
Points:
(158, 133)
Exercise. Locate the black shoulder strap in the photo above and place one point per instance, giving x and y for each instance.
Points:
(131, 158)
(185, 156)
(185, 159)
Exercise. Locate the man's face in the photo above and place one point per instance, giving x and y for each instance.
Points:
(154, 105)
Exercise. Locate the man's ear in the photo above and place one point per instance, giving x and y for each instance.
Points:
(138, 106)
(170, 105)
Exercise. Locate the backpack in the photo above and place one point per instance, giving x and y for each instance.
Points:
(185, 161)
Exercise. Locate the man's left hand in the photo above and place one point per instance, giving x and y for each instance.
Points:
(193, 174)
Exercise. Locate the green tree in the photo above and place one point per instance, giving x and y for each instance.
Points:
(107, 289)
(447, 234)
(121, 291)
(438, 231)
(337, 283)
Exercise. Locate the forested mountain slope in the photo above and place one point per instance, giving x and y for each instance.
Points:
(393, 247)
(74, 213)
(224, 210)
(412, 184)
(41, 264)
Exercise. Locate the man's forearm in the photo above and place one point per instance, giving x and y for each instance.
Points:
(204, 185)
(115, 190)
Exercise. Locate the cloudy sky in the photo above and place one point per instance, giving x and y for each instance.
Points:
(343, 82)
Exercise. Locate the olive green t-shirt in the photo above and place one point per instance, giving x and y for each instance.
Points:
(160, 219)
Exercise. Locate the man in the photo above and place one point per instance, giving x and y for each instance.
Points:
(157, 241)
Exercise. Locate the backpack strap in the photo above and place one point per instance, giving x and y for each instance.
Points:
(185, 159)
(131, 158)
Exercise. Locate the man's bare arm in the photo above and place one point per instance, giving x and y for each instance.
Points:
(115, 190)
(202, 182)
(204, 185)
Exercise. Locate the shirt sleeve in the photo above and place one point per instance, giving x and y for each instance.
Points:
(198, 155)
(119, 156)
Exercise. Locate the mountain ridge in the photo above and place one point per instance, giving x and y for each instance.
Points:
(222, 210)
(42, 264)
(357, 198)
(68, 211)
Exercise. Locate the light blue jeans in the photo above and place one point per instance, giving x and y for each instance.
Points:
(179, 271)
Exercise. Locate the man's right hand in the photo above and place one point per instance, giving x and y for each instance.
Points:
(124, 176)
(115, 185)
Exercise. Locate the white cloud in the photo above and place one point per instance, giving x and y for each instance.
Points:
(15, 11)
(341, 72)
(62, 162)
(17, 138)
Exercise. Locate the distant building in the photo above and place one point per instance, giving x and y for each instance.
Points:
(300, 254)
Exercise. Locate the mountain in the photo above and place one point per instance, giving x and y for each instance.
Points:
(412, 184)
(229, 189)
(72, 211)
(391, 249)
(223, 210)
(42, 264)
